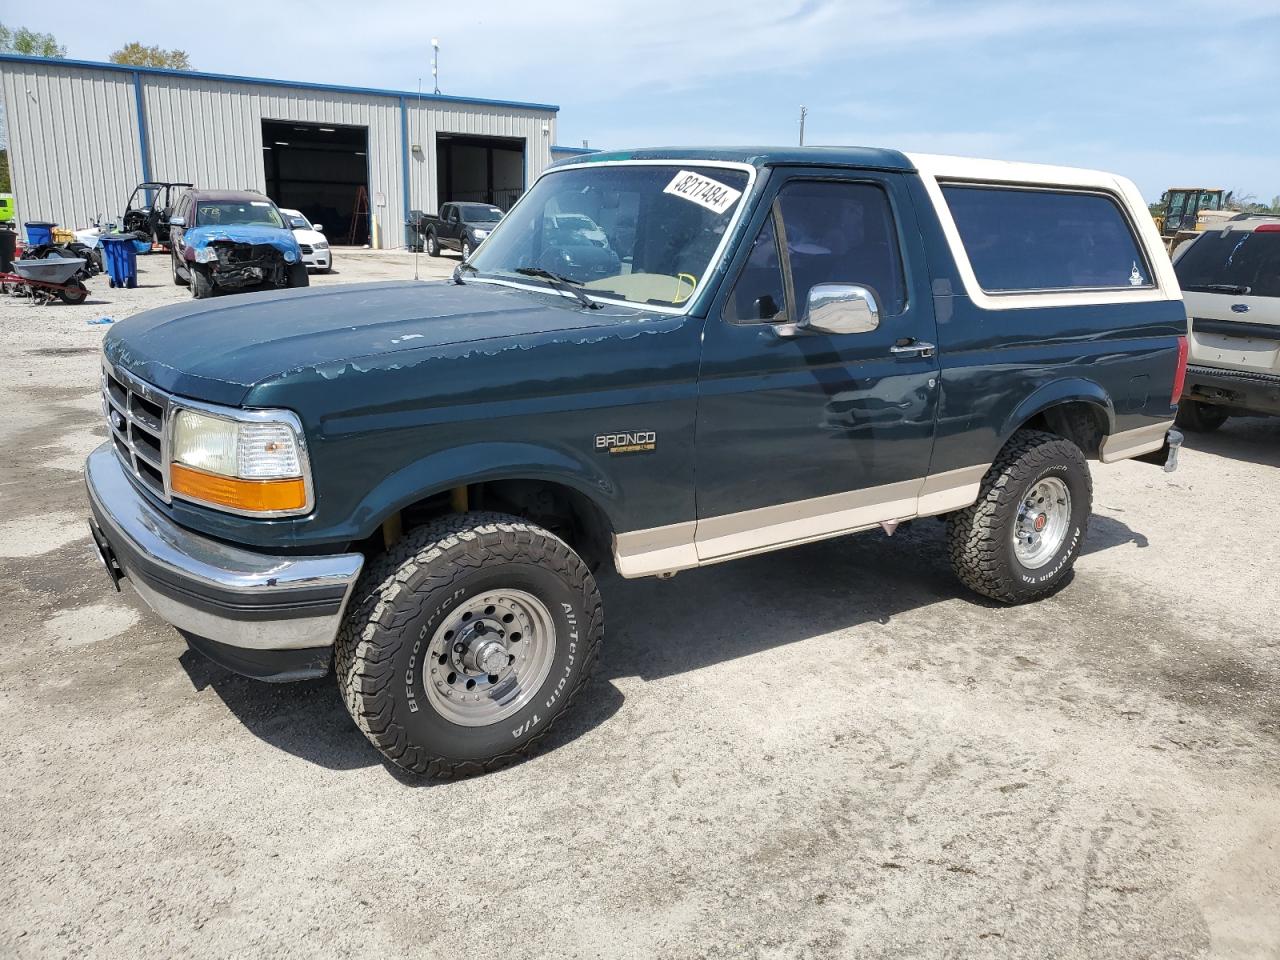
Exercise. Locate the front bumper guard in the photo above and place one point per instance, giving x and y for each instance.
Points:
(211, 590)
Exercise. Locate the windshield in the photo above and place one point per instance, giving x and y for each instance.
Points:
(1240, 259)
(247, 213)
(297, 220)
(480, 214)
(636, 233)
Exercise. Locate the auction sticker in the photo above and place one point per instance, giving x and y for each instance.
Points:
(705, 192)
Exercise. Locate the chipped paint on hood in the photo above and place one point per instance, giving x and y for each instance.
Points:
(215, 350)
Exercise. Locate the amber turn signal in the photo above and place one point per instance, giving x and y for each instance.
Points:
(255, 496)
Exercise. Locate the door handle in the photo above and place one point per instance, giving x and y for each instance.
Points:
(910, 347)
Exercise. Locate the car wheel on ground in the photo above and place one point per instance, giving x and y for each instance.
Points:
(466, 249)
(177, 277)
(1019, 541)
(433, 245)
(298, 276)
(466, 641)
(1199, 417)
(201, 283)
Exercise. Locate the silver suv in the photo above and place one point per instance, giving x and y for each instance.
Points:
(1230, 281)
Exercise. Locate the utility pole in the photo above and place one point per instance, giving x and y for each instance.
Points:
(803, 113)
(435, 65)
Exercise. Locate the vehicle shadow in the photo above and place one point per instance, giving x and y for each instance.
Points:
(308, 719)
(661, 628)
(1250, 439)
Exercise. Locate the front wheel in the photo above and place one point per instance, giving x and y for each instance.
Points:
(466, 249)
(466, 642)
(74, 293)
(298, 276)
(433, 245)
(1201, 417)
(177, 277)
(201, 283)
(1021, 538)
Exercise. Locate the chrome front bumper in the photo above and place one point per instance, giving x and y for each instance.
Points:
(209, 590)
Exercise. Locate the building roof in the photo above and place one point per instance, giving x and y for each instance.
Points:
(268, 82)
(865, 157)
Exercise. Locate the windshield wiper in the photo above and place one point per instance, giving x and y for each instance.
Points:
(1237, 288)
(563, 283)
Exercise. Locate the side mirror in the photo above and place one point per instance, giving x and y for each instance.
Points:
(319, 227)
(177, 222)
(840, 308)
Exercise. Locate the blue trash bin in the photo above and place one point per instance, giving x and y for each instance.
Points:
(38, 232)
(121, 260)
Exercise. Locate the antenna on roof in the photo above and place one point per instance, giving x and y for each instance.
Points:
(435, 65)
(804, 111)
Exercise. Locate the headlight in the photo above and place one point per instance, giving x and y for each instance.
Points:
(321, 245)
(251, 462)
(206, 255)
(290, 256)
(481, 234)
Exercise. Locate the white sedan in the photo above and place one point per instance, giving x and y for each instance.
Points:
(315, 248)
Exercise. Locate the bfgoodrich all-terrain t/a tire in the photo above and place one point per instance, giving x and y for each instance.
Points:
(1019, 541)
(466, 641)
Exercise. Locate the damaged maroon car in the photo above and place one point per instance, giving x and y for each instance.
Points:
(227, 240)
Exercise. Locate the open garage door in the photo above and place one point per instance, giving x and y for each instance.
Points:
(320, 170)
(479, 169)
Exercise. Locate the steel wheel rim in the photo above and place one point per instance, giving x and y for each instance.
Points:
(1044, 516)
(465, 646)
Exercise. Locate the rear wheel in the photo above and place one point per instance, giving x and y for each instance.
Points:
(1200, 417)
(1019, 541)
(466, 641)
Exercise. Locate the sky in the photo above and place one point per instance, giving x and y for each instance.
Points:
(1167, 92)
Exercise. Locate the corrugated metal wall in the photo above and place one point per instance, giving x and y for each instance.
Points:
(428, 119)
(210, 132)
(75, 151)
(73, 141)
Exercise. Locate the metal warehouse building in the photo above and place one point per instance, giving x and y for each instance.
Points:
(82, 135)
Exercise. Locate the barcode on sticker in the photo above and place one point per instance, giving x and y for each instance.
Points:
(705, 192)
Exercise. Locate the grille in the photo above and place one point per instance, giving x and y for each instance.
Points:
(306, 247)
(135, 417)
(245, 254)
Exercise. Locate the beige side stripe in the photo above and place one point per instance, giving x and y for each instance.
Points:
(1133, 443)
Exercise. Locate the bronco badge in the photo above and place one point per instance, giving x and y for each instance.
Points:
(640, 441)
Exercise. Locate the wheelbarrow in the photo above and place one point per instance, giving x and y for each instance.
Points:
(44, 280)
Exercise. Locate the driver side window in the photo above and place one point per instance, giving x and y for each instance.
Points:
(832, 232)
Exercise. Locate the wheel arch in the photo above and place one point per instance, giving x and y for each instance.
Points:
(574, 499)
(1079, 410)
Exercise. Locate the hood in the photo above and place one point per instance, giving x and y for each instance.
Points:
(310, 236)
(215, 350)
(278, 237)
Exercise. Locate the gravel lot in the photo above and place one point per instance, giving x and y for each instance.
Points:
(829, 751)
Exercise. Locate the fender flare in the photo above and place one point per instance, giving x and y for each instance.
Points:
(1070, 390)
(478, 463)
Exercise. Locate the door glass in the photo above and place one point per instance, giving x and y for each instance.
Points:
(842, 233)
(760, 293)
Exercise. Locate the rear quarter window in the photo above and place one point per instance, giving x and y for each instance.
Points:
(1028, 240)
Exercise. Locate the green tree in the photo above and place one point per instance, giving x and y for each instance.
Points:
(30, 43)
(1275, 204)
(136, 55)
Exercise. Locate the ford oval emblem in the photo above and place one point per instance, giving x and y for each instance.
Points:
(1239, 308)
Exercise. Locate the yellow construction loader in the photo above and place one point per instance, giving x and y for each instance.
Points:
(1192, 210)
